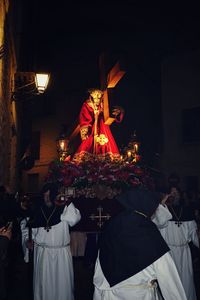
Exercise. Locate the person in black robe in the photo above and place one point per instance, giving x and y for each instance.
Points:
(5, 236)
(180, 234)
(133, 255)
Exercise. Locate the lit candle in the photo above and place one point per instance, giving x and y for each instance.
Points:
(136, 148)
(129, 154)
(62, 145)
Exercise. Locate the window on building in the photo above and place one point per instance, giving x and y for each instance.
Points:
(35, 145)
(191, 125)
(33, 183)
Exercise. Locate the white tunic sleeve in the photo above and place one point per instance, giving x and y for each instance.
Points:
(25, 237)
(24, 231)
(168, 278)
(71, 215)
(193, 233)
(162, 216)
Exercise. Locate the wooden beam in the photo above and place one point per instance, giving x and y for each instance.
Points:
(107, 119)
(114, 76)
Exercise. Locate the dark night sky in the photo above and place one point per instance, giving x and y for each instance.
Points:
(66, 40)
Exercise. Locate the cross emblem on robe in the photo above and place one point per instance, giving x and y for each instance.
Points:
(178, 223)
(100, 218)
(47, 228)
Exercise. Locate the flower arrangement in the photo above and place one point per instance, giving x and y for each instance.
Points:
(98, 178)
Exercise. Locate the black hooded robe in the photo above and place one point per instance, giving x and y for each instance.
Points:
(130, 244)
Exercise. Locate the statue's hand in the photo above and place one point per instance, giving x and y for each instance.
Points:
(118, 113)
(117, 110)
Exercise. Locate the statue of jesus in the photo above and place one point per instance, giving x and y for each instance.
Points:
(97, 139)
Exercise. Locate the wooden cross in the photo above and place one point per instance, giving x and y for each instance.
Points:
(107, 82)
(99, 217)
(47, 228)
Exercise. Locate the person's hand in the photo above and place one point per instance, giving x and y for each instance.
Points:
(63, 200)
(24, 205)
(29, 244)
(6, 232)
(164, 199)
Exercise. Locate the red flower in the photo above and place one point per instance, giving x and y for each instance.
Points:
(67, 181)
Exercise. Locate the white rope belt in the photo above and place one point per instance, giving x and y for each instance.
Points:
(182, 245)
(52, 247)
(152, 284)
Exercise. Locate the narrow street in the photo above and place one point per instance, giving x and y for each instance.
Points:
(20, 286)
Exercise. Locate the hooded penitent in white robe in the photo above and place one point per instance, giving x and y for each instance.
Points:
(53, 269)
(142, 286)
(133, 256)
(178, 238)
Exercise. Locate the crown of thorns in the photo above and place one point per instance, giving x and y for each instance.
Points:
(90, 91)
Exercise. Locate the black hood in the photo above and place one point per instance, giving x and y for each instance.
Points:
(130, 242)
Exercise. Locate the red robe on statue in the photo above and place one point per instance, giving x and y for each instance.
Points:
(97, 139)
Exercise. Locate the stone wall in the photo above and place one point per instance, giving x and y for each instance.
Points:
(8, 120)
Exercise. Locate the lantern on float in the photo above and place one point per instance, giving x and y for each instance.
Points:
(62, 146)
(132, 149)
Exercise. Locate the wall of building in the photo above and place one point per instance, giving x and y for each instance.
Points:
(49, 125)
(48, 130)
(181, 92)
(8, 119)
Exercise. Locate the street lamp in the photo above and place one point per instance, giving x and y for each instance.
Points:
(29, 84)
(41, 81)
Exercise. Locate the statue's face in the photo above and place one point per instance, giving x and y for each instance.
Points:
(96, 96)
